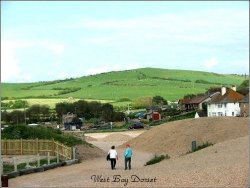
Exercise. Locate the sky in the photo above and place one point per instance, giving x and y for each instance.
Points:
(50, 40)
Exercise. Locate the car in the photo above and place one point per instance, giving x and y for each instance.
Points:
(137, 125)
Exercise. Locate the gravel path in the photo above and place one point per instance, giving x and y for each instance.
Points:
(222, 165)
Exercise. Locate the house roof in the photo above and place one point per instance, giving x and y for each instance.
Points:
(184, 101)
(245, 99)
(230, 96)
(198, 99)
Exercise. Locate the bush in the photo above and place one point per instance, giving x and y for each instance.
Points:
(173, 118)
(204, 145)
(157, 159)
(26, 132)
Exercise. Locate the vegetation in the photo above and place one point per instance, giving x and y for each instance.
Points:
(173, 118)
(244, 87)
(157, 159)
(27, 132)
(204, 145)
(7, 168)
(130, 84)
(159, 100)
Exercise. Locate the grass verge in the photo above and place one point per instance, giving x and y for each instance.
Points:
(157, 159)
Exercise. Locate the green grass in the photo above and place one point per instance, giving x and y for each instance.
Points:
(157, 159)
(7, 168)
(120, 85)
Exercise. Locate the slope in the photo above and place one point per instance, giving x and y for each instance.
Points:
(175, 138)
(132, 84)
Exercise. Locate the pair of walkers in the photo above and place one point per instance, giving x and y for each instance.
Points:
(114, 156)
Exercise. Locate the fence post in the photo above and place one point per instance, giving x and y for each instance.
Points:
(1, 166)
(37, 146)
(27, 162)
(74, 153)
(15, 165)
(38, 160)
(193, 146)
(5, 141)
(53, 147)
(21, 146)
(48, 158)
(57, 154)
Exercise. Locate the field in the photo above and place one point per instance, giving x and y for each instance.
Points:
(121, 86)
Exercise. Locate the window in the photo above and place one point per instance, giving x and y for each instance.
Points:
(213, 113)
(232, 113)
(220, 114)
(219, 105)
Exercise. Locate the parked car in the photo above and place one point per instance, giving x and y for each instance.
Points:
(137, 125)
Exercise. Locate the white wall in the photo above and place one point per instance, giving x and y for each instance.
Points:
(229, 109)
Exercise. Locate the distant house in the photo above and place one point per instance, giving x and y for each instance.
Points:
(195, 103)
(225, 103)
(153, 113)
(244, 106)
(71, 122)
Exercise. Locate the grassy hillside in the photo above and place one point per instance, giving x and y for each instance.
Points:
(131, 84)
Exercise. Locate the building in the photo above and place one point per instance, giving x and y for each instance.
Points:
(196, 102)
(225, 103)
(153, 113)
(71, 122)
(244, 106)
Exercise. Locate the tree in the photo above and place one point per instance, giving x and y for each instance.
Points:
(244, 87)
(189, 96)
(107, 112)
(158, 100)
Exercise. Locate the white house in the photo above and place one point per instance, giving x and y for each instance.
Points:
(225, 103)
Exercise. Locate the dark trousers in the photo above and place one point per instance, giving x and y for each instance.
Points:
(127, 163)
(113, 163)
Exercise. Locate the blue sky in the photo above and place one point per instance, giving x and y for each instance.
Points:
(43, 41)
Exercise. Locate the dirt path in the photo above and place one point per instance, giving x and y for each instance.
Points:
(222, 165)
(79, 175)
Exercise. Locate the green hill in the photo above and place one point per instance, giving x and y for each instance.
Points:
(131, 84)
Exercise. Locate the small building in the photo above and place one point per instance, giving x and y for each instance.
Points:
(225, 103)
(153, 113)
(244, 106)
(71, 122)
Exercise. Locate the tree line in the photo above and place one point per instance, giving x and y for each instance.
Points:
(83, 109)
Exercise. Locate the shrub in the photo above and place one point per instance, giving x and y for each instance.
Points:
(26, 132)
(204, 145)
(157, 159)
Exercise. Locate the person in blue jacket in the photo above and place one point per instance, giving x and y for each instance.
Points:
(127, 155)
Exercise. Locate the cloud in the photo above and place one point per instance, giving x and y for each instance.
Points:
(179, 28)
(10, 65)
(57, 49)
(210, 63)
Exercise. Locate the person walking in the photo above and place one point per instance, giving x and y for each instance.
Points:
(127, 155)
(113, 157)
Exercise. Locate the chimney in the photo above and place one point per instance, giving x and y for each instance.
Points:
(233, 87)
(223, 90)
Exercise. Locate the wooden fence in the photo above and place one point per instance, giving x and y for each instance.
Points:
(33, 147)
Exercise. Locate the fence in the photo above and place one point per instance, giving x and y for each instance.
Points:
(34, 147)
